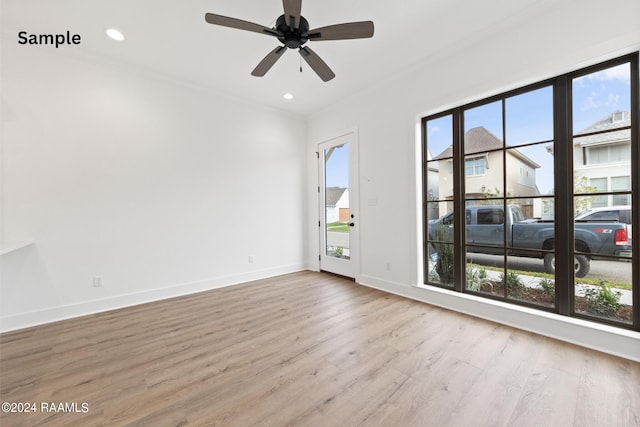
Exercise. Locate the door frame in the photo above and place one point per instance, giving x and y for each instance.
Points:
(349, 268)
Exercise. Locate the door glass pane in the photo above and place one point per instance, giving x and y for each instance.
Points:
(336, 191)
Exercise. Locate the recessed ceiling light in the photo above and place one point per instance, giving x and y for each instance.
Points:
(114, 34)
(288, 96)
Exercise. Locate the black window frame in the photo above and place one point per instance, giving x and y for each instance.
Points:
(563, 190)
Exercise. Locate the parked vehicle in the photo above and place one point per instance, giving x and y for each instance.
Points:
(485, 227)
(620, 214)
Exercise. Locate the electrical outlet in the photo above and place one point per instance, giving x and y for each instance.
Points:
(97, 281)
(250, 259)
(388, 266)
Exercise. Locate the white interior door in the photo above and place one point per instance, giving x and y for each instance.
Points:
(338, 194)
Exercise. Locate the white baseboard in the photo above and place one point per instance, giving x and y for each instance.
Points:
(604, 338)
(615, 341)
(312, 266)
(54, 314)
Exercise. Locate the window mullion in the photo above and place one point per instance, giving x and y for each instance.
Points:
(505, 222)
(635, 185)
(459, 236)
(563, 185)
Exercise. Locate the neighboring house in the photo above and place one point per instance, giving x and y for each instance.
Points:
(337, 204)
(605, 159)
(433, 192)
(485, 173)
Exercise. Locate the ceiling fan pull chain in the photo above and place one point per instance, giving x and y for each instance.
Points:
(300, 58)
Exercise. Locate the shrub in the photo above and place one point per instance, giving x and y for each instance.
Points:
(602, 301)
(433, 276)
(515, 286)
(335, 251)
(444, 263)
(548, 286)
(476, 277)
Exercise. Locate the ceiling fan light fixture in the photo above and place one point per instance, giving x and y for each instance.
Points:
(114, 34)
(293, 31)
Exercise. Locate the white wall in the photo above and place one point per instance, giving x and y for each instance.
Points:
(160, 188)
(578, 34)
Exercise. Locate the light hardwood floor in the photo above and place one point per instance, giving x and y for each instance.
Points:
(308, 349)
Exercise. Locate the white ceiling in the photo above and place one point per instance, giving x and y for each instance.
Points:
(171, 37)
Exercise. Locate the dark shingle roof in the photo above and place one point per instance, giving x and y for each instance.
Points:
(476, 140)
(333, 194)
(615, 120)
(479, 140)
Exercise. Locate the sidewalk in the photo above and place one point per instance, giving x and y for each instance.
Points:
(626, 297)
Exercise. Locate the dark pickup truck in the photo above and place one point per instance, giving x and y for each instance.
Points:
(485, 227)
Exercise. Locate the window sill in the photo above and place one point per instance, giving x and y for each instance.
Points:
(609, 339)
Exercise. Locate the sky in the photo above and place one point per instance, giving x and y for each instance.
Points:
(337, 168)
(529, 116)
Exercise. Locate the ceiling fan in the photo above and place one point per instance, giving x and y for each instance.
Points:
(292, 30)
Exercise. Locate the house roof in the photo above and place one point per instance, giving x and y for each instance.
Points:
(333, 194)
(476, 140)
(617, 119)
(479, 140)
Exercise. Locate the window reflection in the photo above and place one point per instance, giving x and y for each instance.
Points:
(507, 166)
(602, 192)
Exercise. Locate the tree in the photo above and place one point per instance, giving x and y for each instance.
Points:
(581, 185)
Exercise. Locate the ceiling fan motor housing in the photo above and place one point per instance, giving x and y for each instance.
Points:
(292, 30)
(292, 38)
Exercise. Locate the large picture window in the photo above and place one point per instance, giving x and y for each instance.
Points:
(530, 196)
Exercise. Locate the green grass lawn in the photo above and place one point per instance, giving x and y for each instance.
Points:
(583, 280)
(338, 226)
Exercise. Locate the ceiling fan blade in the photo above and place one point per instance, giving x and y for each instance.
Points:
(350, 30)
(268, 61)
(317, 64)
(225, 21)
(292, 10)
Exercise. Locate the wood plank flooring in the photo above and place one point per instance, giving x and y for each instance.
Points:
(307, 349)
